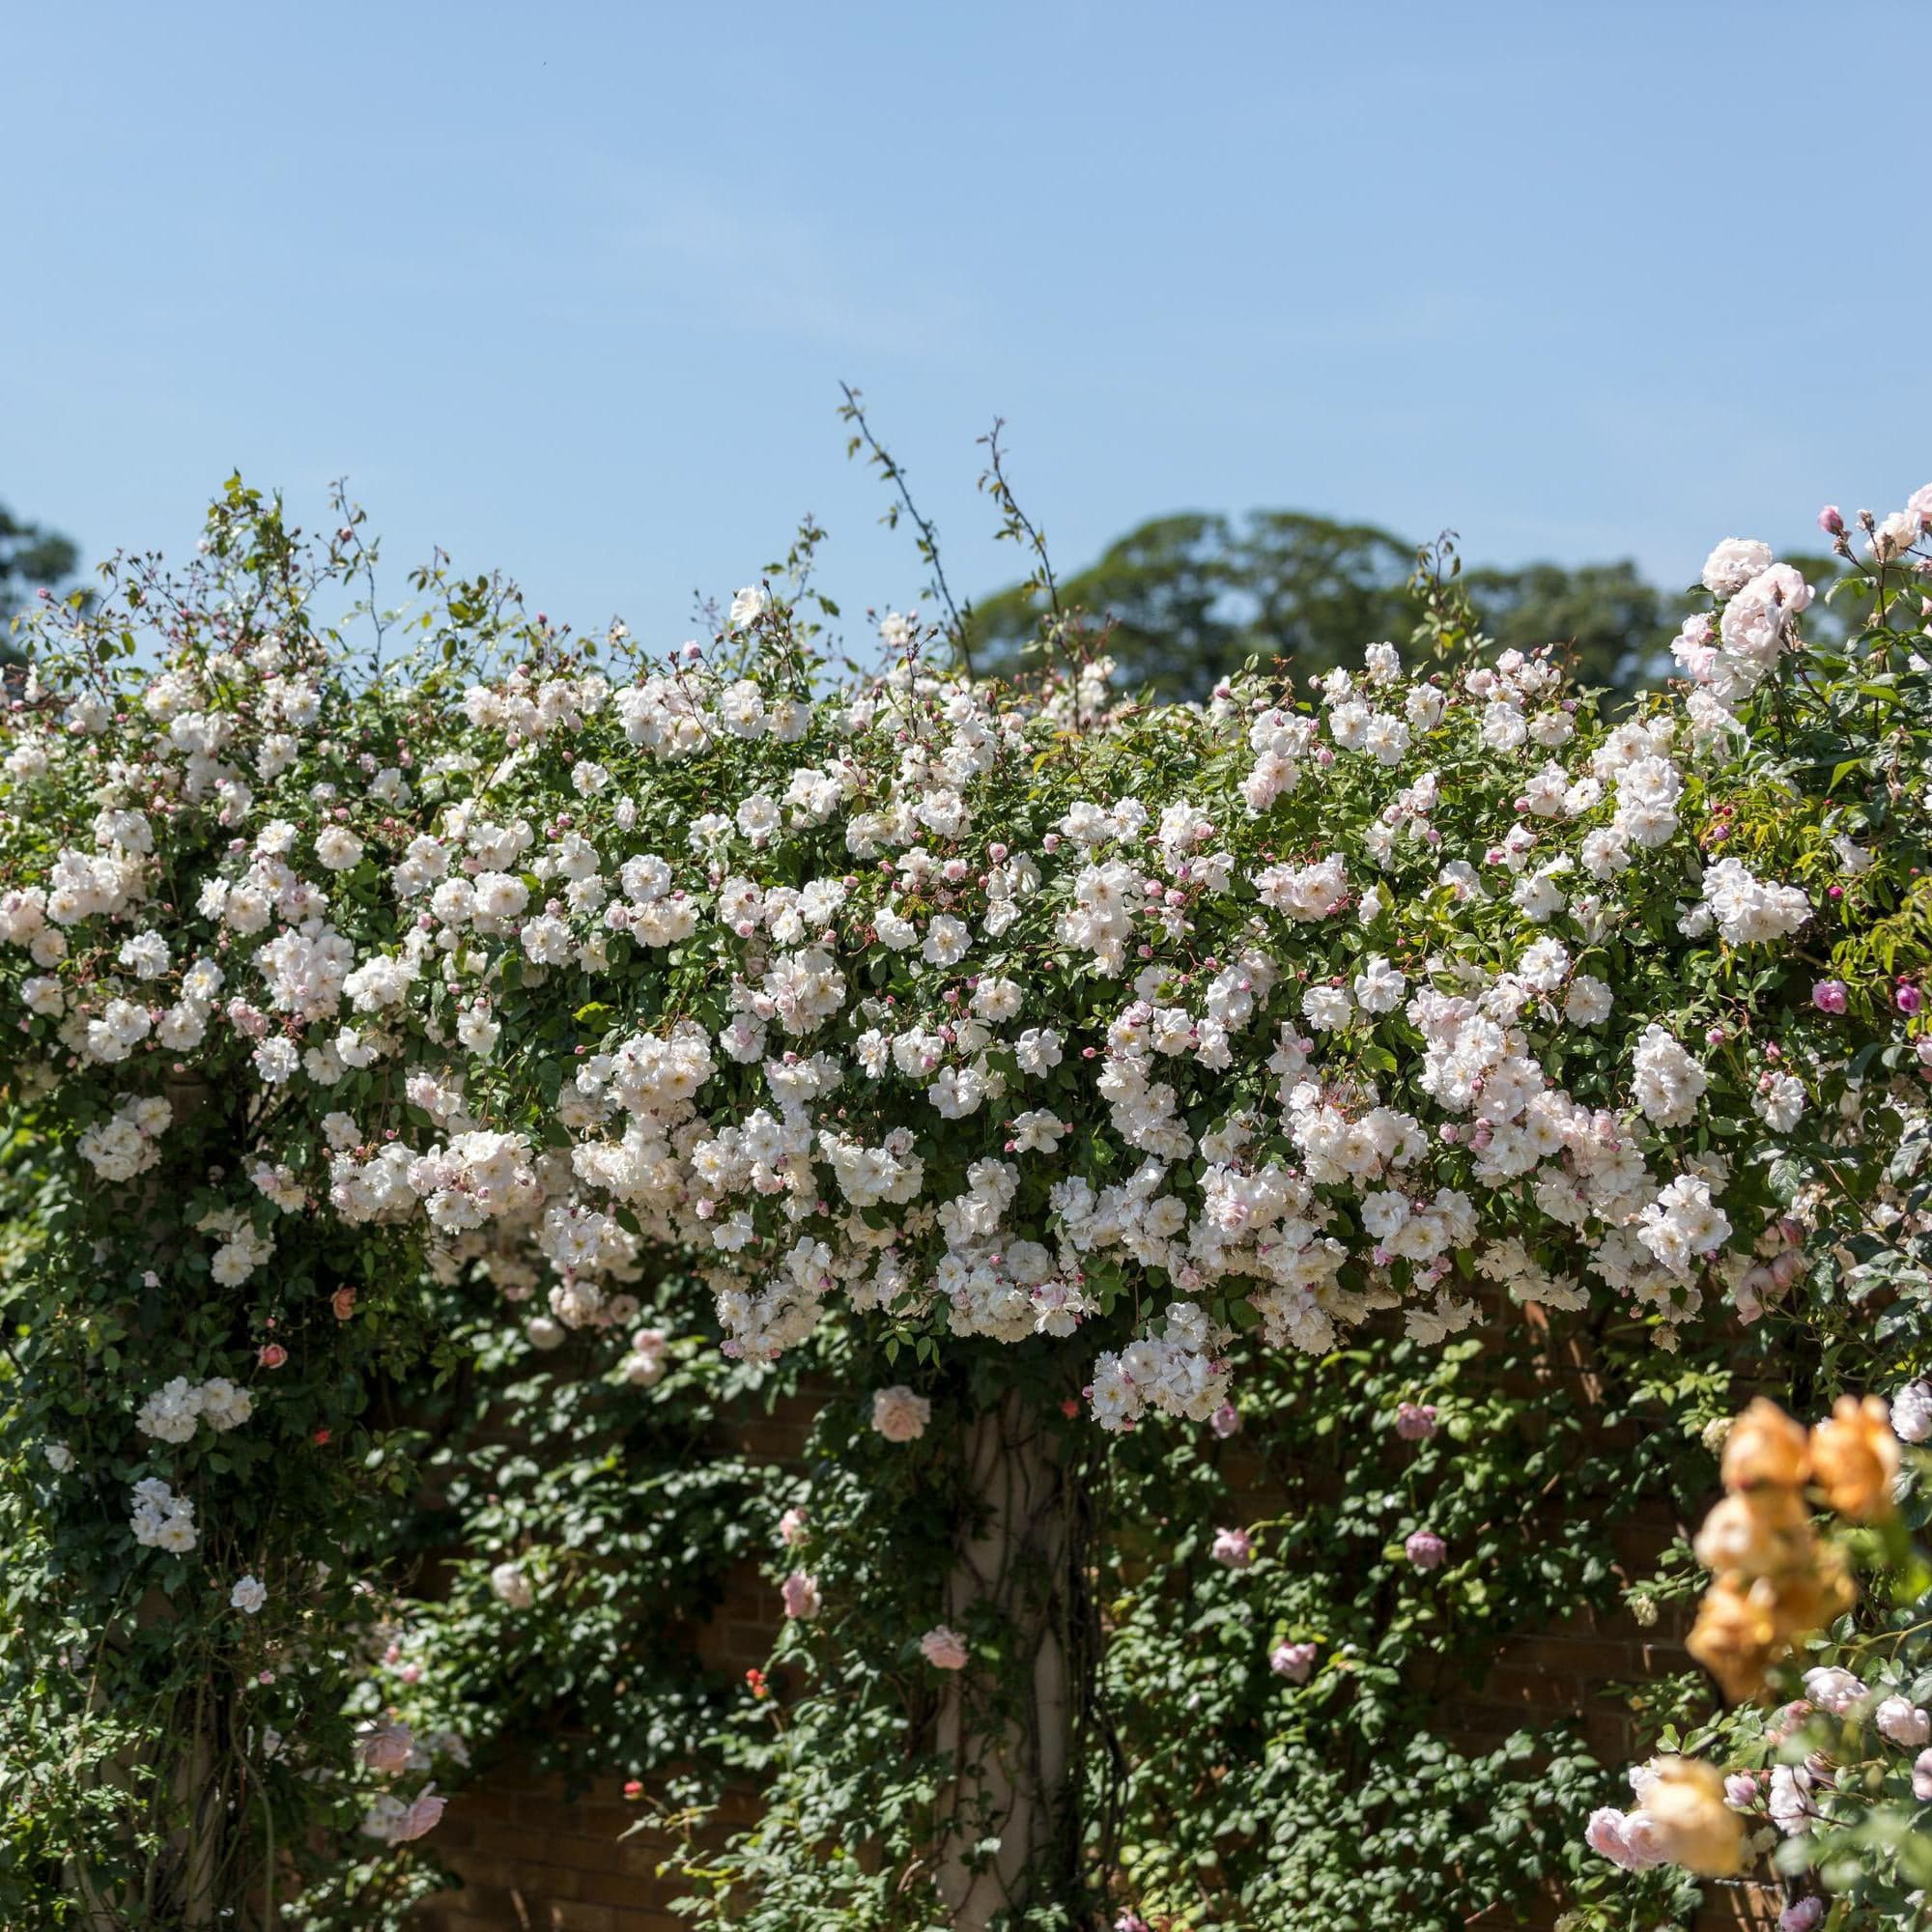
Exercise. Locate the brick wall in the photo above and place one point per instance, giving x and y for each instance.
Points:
(530, 1861)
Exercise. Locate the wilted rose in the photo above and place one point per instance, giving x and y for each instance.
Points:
(422, 1817)
(388, 1747)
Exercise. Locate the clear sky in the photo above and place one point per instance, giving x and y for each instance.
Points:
(569, 288)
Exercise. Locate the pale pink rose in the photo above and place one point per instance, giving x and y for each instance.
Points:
(1415, 1421)
(944, 1649)
(791, 1528)
(1834, 1690)
(899, 1415)
(388, 1747)
(1424, 1548)
(1235, 1548)
(1900, 1720)
(1292, 1660)
(421, 1818)
(1921, 1776)
(1604, 1832)
(801, 1595)
(1628, 1839)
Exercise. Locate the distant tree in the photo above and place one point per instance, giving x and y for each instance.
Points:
(1192, 597)
(31, 559)
(1618, 626)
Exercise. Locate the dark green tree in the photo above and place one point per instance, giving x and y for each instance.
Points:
(1191, 598)
(31, 558)
(1188, 599)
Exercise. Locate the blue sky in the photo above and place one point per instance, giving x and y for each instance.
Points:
(569, 289)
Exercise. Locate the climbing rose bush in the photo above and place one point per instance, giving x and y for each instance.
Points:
(1141, 1038)
(987, 1012)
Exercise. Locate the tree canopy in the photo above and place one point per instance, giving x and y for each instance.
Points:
(1192, 597)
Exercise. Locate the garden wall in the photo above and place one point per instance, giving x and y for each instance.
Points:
(533, 1861)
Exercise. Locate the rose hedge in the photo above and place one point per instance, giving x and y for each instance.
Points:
(1029, 1036)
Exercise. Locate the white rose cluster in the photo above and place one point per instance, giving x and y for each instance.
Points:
(163, 1519)
(171, 1414)
(127, 1142)
(995, 1010)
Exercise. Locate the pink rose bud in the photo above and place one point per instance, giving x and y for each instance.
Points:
(1415, 1422)
(1804, 1916)
(271, 1355)
(1828, 996)
(1425, 1550)
(1909, 999)
(801, 1596)
(1832, 520)
(1226, 1421)
(791, 1527)
(1740, 1791)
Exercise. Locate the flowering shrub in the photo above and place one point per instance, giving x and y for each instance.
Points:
(1095, 1049)
(1834, 1781)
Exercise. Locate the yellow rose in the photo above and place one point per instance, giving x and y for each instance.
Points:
(1808, 1599)
(1765, 1446)
(1736, 1636)
(1761, 1532)
(1696, 1828)
(1856, 1456)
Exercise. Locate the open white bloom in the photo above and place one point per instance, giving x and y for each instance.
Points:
(1733, 564)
